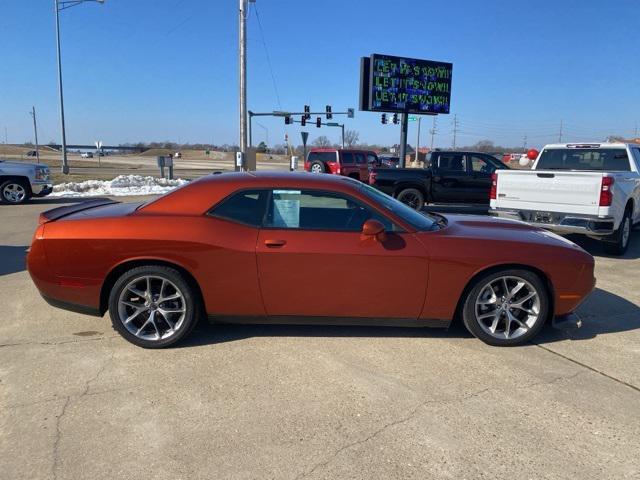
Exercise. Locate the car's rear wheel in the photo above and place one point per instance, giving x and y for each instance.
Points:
(621, 236)
(317, 167)
(14, 192)
(153, 306)
(412, 197)
(507, 307)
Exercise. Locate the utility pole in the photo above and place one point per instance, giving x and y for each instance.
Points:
(243, 81)
(560, 133)
(635, 131)
(418, 140)
(404, 126)
(433, 130)
(65, 165)
(5, 135)
(524, 142)
(455, 130)
(35, 132)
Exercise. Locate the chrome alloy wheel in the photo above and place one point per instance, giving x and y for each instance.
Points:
(316, 168)
(151, 308)
(507, 307)
(14, 193)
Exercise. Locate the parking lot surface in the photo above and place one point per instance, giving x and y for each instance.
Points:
(247, 402)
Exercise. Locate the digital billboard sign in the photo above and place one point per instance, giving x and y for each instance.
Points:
(409, 85)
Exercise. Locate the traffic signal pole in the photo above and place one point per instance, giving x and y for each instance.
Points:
(404, 126)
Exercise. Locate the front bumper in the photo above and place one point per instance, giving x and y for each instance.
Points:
(41, 189)
(560, 222)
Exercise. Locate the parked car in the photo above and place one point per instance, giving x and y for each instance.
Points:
(251, 247)
(591, 189)
(86, 155)
(447, 177)
(32, 153)
(349, 163)
(388, 161)
(21, 181)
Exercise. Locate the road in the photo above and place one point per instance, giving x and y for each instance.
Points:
(247, 402)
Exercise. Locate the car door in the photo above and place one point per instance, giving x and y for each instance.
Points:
(449, 177)
(348, 164)
(314, 262)
(478, 183)
(363, 166)
(635, 178)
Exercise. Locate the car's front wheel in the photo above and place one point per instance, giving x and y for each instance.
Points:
(153, 306)
(507, 307)
(14, 192)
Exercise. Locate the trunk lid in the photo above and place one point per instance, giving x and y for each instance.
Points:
(67, 210)
(553, 190)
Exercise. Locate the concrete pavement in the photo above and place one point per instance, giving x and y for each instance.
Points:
(246, 402)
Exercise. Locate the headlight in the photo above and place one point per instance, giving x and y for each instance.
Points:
(42, 174)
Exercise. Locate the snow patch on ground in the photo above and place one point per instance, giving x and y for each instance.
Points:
(122, 185)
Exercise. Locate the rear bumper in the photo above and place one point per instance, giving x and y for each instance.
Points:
(561, 222)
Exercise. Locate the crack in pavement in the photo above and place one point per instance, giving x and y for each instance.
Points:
(414, 411)
(404, 419)
(584, 365)
(87, 386)
(63, 342)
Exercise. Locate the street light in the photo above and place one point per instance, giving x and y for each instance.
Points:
(59, 6)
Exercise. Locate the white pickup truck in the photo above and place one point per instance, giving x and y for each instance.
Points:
(592, 189)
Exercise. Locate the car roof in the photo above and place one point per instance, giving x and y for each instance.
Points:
(200, 195)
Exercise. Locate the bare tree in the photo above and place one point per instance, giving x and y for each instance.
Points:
(322, 141)
(351, 138)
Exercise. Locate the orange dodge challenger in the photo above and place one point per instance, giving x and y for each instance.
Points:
(300, 248)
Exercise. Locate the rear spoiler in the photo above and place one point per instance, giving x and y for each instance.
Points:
(56, 213)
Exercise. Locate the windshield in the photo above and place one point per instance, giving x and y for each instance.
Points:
(603, 159)
(413, 218)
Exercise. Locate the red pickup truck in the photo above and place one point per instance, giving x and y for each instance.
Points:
(349, 163)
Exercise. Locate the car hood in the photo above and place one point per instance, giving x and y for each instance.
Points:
(490, 228)
(4, 163)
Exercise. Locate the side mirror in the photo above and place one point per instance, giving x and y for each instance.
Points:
(375, 229)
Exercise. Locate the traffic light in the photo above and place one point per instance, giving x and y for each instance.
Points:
(303, 120)
(329, 114)
(384, 119)
(287, 120)
(307, 112)
(318, 122)
(395, 118)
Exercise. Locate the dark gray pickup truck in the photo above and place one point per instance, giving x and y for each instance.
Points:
(448, 177)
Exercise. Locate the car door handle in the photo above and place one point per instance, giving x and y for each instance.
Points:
(275, 243)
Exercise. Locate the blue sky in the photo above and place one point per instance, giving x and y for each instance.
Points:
(167, 69)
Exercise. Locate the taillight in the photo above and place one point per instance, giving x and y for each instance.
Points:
(493, 193)
(606, 195)
(372, 178)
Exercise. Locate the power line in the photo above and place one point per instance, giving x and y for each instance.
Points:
(266, 50)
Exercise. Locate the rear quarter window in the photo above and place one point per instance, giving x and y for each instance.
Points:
(322, 156)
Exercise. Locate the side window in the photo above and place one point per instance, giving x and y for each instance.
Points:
(361, 159)
(347, 158)
(319, 210)
(480, 165)
(451, 162)
(636, 154)
(246, 207)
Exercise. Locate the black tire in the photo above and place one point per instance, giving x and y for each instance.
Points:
(620, 240)
(14, 192)
(412, 197)
(473, 323)
(317, 167)
(189, 301)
